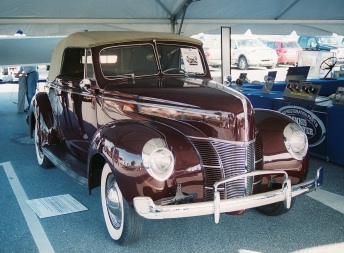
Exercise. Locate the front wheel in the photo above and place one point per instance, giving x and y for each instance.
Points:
(122, 221)
(242, 63)
(42, 160)
(275, 209)
(272, 66)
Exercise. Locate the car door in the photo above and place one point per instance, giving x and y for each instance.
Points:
(77, 117)
(234, 52)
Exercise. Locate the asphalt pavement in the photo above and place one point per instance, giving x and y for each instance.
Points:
(314, 224)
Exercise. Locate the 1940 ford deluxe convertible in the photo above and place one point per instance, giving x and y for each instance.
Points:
(138, 114)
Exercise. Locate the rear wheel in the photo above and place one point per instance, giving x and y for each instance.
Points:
(272, 66)
(122, 221)
(42, 160)
(275, 209)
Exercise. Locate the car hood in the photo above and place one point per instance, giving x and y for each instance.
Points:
(328, 47)
(199, 107)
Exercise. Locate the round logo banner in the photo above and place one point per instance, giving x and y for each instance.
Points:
(313, 127)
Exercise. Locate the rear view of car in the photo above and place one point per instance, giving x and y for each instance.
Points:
(287, 51)
(212, 52)
(211, 48)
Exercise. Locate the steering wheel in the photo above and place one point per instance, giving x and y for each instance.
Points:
(328, 64)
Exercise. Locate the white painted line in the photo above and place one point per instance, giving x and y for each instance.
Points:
(333, 248)
(37, 231)
(330, 199)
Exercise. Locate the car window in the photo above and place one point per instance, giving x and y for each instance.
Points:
(272, 44)
(74, 63)
(328, 41)
(175, 59)
(250, 43)
(312, 42)
(136, 60)
(290, 45)
(303, 41)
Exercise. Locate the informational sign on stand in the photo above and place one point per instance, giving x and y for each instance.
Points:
(55, 205)
(314, 60)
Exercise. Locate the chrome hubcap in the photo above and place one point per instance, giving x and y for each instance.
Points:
(38, 140)
(242, 63)
(113, 202)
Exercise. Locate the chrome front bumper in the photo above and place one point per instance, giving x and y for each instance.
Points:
(145, 206)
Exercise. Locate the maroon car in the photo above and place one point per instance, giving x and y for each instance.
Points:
(138, 114)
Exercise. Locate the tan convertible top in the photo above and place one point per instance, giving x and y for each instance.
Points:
(97, 38)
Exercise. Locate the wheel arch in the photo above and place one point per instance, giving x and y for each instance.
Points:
(271, 125)
(41, 108)
(114, 144)
(111, 145)
(246, 60)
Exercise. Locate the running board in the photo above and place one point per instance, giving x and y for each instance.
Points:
(74, 168)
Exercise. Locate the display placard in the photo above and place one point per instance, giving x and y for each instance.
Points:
(338, 98)
(302, 90)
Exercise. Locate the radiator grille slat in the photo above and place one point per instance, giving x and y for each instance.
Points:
(222, 160)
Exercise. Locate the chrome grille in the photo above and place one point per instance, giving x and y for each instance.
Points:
(222, 160)
(258, 161)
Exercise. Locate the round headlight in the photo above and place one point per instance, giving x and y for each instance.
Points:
(157, 159)
(298, 141)
(295, 141)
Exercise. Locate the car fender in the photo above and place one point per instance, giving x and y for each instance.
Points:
(41, 109)
(120, 145)
(275, 154)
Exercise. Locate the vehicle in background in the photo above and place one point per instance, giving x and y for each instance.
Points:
(212, 51)
(7, 74)
(287, 51)
(323, 43)
(249, 52)
(211, 48)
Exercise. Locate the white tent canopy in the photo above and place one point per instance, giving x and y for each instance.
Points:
(187, 17)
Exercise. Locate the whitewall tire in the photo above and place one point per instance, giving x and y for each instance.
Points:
(123, 223)
(42, 160)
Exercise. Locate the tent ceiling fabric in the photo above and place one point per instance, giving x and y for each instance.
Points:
(56, 18)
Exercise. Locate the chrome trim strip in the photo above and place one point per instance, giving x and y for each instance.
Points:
(242, 143)
(213, 167)
(243, 100)
(258, 161)
(249, 174)
(145, 206)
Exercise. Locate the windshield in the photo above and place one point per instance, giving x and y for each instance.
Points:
(135, 60)
(141, 60)
(250, 43)
(330, 41)
(290, 45)
(180, 60)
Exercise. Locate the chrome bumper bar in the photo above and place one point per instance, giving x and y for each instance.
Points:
(145, 206)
